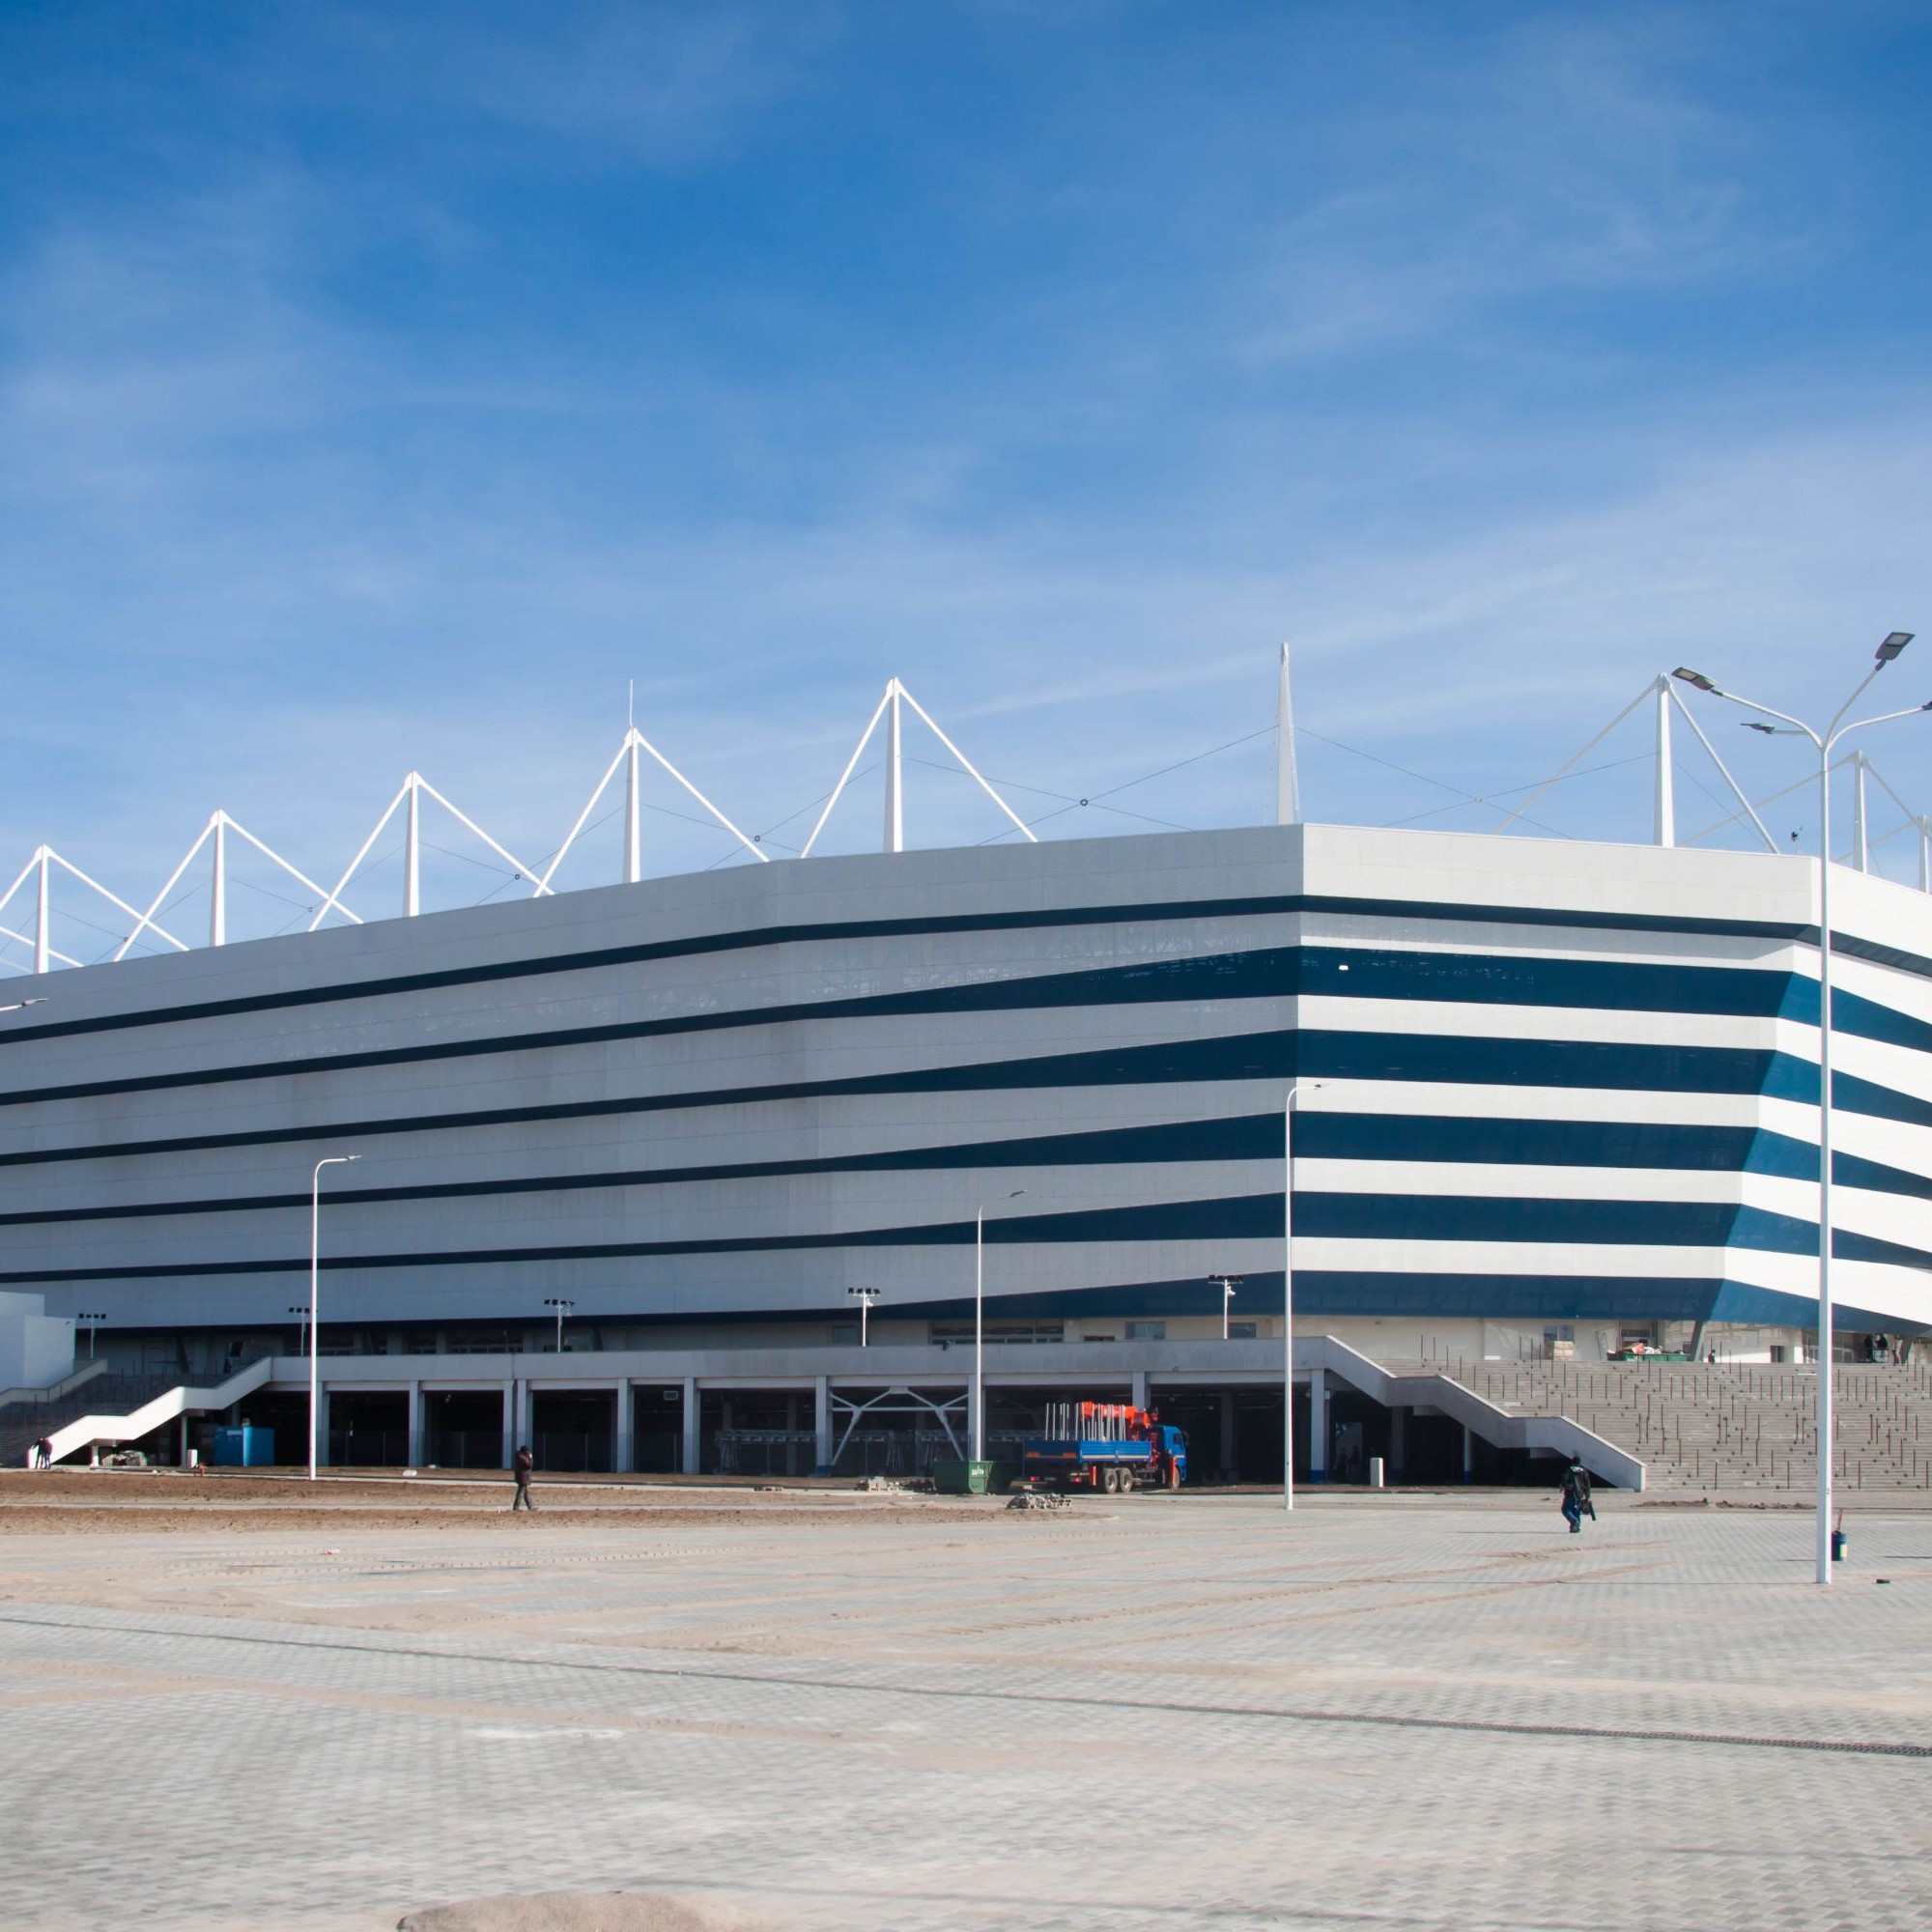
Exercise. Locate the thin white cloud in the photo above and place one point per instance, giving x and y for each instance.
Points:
(1564, 155)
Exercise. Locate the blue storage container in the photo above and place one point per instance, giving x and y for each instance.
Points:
(245, 1447)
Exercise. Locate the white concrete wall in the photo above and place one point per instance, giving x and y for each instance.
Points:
(35, 1349)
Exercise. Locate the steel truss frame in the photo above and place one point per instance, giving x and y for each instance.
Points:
(46, 866)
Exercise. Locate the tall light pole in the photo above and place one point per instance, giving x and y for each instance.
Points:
(1228, 1284)
(300, 1309)
(560, 1305)
(1825, 740)
(1288, 1291)
(94, 1322)
(866, 1296)
(314, 1293)
(980, 1328)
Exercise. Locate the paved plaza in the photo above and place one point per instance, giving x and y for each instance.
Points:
(820, 1711)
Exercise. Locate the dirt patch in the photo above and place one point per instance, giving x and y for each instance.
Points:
(432, 1491)
(217, 1519)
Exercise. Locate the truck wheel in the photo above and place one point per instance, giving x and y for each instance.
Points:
(1113, 1482)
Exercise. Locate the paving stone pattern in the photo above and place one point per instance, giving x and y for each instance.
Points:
(1160, 1712)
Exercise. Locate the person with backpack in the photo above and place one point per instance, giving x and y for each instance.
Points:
(521, 1466)
(1577, 1496)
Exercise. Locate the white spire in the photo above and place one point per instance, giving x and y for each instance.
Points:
(1287, 780)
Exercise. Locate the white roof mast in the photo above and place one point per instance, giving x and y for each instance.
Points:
(1287, 780)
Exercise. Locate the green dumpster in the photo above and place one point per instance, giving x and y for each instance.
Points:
(963, 1479)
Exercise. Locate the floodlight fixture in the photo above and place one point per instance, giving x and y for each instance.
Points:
(866, 1296)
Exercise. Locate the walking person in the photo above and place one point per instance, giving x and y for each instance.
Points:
(43, 1454)
(1576, 1497)
(521, 1466)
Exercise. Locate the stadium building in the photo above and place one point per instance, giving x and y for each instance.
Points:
(1551, 1098)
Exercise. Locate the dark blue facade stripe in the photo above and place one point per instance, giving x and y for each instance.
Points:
(1248, 1137)
(1620, 1068)
(1273, 1056)
(1420, 1139)
(1745, 1303)
(1363, 1217)
(1154, 1221)
(1434, 1296)
(1266, 973)
(1850, 1170)
(1319, 1292)
(1869, 1019)
(1855, 1095)
(933, 925)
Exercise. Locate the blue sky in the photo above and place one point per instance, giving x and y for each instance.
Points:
(387, 387)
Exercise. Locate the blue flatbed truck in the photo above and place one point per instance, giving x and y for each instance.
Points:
(1106, 1447)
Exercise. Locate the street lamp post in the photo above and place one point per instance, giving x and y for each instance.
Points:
(866, 1296)
(314, 1294)
(1825, 740)
(560, 1305)
(93, 1322)
(1288, 1291)
(1228, 1284)
(300, 1309)
(980, 1328)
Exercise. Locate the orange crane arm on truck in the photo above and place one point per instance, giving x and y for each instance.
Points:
(1105, 1446)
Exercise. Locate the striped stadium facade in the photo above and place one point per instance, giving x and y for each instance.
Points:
(1544, 1083)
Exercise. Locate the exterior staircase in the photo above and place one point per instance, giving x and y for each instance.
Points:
(28, 1416)
(1718, 1427)
(116, 1409)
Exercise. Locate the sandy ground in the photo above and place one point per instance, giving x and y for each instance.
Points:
(162, 1502)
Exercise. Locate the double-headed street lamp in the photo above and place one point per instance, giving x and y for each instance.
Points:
(21, 1005)
(1825, 740)
(1228, 1284)
(866, 1296)
(92, 1320)
(315, 1296)
(562, 1307)
(980, 1328)
(300, 1309)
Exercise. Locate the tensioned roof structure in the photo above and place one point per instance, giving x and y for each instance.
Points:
(28, 908)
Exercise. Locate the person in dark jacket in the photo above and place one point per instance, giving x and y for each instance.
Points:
(1576, 1497)
(521, 1466)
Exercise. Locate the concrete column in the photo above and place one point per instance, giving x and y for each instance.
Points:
(322, 1426)
(1398, 1444)
(509, 1422)
(824, 1417)
(692, 1458)
(183, 1439)
(1468, 1453)
(627, 1427)
(1140, 1395)
(414, 1446)
(1228, 1465)
(1317, 1425)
